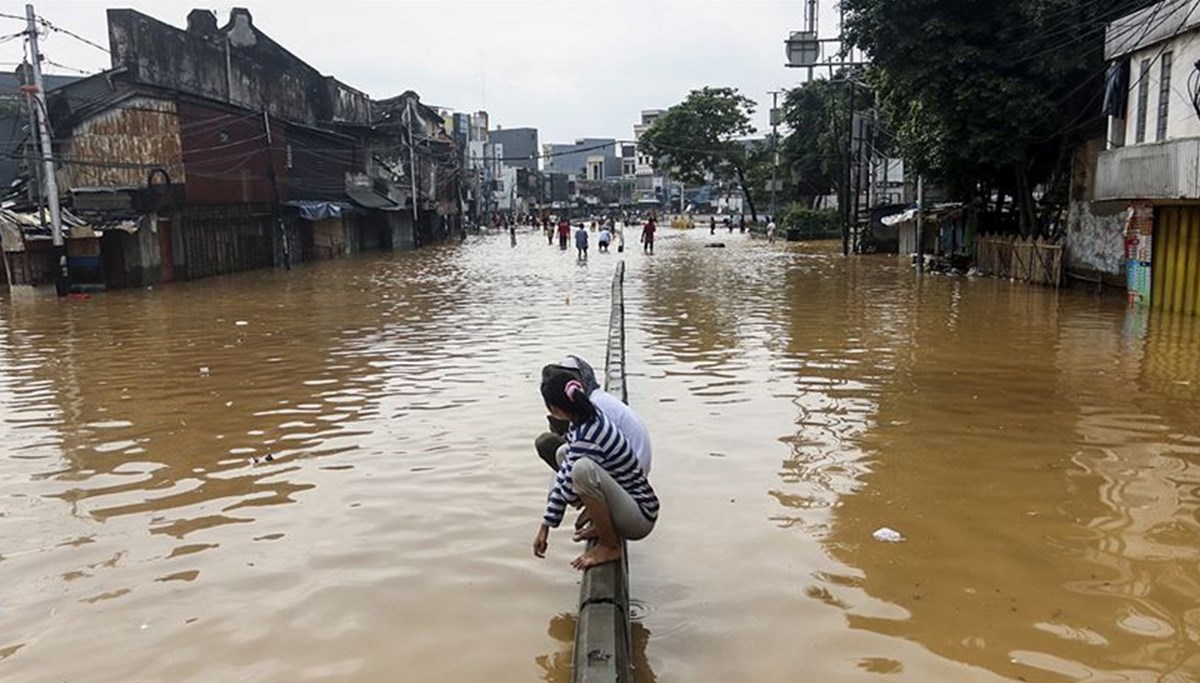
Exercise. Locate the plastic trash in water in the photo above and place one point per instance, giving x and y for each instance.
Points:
(887, 535)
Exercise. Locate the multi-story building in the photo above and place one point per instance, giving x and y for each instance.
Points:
(213, 149)
(1134, 208)
(520, 147)
(585, 159)
(650, 187)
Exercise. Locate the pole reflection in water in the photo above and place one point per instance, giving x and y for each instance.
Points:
(557, 667)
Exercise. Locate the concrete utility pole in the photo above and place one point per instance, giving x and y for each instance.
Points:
(51, 183)
(774, 146)
(921, 223)
(412, 167)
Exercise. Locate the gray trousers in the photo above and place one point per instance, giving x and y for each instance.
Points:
(593, 481)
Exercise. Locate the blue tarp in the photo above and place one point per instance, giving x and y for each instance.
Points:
(317, 211)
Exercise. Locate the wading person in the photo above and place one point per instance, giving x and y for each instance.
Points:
(599, 473)
(564, 232)
(581, 242)
(648, 231)
(603, 240)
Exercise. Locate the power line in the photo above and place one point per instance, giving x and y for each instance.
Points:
(64, 66)
(76, 36)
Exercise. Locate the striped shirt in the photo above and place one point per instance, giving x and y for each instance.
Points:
(604, 444)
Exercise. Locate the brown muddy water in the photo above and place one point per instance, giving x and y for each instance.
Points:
(1038, 452)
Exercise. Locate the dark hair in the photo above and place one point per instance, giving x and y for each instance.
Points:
(562, 389)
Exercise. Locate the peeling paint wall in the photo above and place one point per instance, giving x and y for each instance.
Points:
(1096, 238)
(119, 146)
(1095, 242)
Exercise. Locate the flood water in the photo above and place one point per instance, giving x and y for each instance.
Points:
(1038, 451)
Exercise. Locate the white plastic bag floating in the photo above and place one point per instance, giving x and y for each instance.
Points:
(887, 535)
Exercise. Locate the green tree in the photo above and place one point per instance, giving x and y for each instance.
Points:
(989, 98)
(813, 153)
(703, 135)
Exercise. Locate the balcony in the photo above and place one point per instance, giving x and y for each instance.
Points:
(1164, 170)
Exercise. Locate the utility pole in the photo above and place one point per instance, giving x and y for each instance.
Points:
(774, 145)
(51, 183)
(27, 86)
(921, 223)
(848, 175)
(412, 168)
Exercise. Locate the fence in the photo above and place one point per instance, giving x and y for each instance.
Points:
(1038, 261)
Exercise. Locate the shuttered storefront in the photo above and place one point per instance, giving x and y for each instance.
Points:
(1176, 264)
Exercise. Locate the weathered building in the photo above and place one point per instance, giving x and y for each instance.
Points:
(213, 150)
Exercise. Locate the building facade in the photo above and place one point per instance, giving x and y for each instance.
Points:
(520, 147)
(1134, 210)
(585, 159)
(213, 150)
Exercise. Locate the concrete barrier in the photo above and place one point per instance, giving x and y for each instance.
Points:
(603, 650)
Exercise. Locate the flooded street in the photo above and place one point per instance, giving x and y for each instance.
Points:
(328, 473)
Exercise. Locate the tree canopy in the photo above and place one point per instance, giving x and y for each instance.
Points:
(988, 97)
(813, 153)
(703, 135)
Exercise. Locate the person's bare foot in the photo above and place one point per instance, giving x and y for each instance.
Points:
(596, 556)
(586, 533)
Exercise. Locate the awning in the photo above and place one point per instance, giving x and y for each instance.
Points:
(316, 211)
(370, 199)
(16, 228)
(933, 214)
(10, 237)
(906, 216)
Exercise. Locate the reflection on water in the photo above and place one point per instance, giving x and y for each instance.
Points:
(1037, 450)
(327, 473)
(557, 667)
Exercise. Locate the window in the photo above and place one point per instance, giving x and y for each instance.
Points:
(1143, 101)
(1164, 96)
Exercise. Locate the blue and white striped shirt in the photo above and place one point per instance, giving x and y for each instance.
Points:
(604, 444)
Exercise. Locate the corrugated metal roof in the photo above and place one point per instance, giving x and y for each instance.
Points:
(1150, 26)
(29, 226)
(370, 199)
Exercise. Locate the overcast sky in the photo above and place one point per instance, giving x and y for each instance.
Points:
(571, 69)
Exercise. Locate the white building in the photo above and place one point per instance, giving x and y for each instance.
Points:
(1147, 179)
(651, 186)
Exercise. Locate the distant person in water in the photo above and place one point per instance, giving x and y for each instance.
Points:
(603, 240)
(712, 225)
(564, 233)
(648, 231)
(599, 473)
(581, 242)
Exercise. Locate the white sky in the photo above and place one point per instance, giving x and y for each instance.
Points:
(571, 68)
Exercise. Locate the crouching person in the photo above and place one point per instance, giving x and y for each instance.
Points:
(599, 473)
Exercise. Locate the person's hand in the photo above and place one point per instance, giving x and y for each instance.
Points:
(539, 542)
